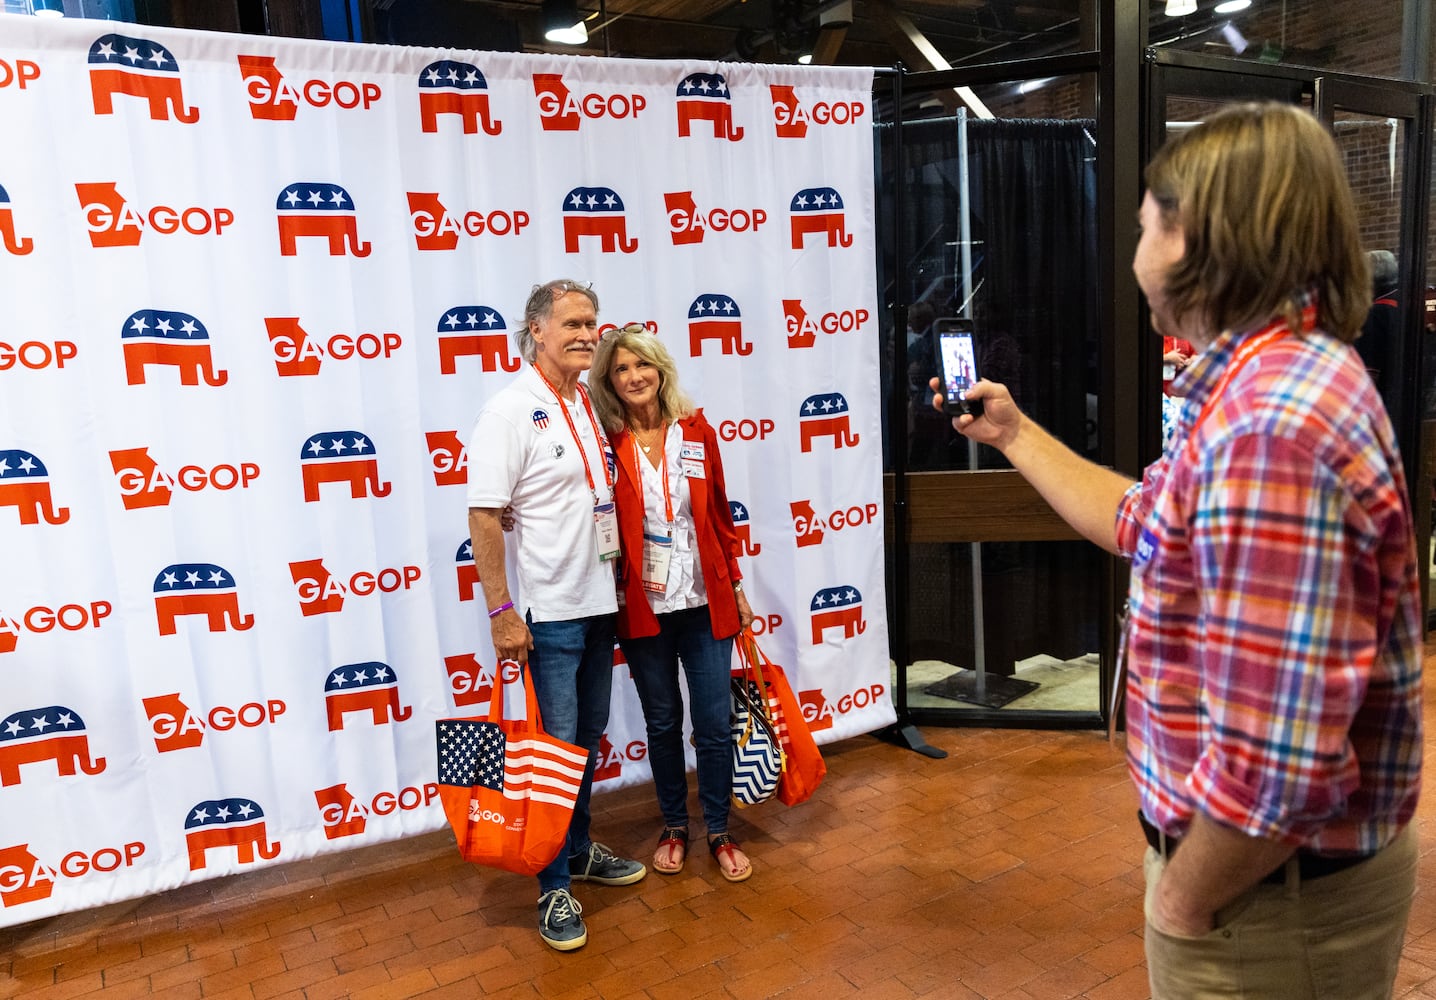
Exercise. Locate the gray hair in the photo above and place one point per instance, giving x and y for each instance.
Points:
(673, 402)
(540, 307)
(1383, 269)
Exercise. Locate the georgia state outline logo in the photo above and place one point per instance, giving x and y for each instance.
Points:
(272, 98)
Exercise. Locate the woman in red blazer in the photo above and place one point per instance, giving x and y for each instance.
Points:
(679, 595)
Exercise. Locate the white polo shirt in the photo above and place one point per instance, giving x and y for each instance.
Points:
(522, 455)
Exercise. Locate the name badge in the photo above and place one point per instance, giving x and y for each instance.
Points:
(693, 469)
(657, 551)
(605, 523)
(691, 449)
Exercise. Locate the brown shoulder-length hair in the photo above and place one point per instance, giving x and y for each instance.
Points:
(673, 402)
(1263, 202)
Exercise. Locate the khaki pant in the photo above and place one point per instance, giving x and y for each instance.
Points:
(1332, 938)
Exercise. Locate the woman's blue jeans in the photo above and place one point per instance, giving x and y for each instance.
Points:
(572, 667)
(686, 636)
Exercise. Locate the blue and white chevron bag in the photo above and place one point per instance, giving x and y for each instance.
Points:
(757, 755)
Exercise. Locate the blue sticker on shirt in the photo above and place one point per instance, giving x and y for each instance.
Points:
(1146, 548)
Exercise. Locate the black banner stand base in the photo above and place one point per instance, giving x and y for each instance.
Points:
(905, 734)
(997, 690)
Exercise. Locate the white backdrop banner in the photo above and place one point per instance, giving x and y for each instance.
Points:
(253, 293)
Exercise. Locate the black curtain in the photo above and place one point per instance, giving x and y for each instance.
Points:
(1032, 211)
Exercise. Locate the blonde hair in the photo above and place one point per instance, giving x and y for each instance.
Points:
(673, 402)
(1263, 202)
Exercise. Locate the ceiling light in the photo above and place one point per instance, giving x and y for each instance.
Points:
(836, 15)
(562, 24)
(805, 59)
(1232, 6)
(1234, 38)
(1181, 8)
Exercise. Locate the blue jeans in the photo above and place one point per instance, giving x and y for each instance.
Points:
(687, 636)
(572, 667)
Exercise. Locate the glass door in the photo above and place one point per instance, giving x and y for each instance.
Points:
(1384, 134)
(1001, 603)
(1375, 129)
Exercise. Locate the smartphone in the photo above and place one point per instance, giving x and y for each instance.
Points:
(957, 365)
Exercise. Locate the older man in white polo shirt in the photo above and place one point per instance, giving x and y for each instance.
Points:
(538, 449)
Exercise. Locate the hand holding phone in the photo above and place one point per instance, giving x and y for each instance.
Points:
(957, 365)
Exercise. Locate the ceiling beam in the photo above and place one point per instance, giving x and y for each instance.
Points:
(830, 40)
(921, 54)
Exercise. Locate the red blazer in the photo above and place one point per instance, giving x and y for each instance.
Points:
(718, 544)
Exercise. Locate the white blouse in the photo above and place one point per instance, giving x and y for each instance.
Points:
(685, 575)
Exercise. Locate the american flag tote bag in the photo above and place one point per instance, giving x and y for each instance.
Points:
(508, 788)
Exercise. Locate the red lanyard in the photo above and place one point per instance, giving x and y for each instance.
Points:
(583, 454)
(1250, 348)
(662, 464)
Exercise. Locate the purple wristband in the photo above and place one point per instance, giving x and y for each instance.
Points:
(500, 609)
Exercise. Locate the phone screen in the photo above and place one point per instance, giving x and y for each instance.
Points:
(958, 362)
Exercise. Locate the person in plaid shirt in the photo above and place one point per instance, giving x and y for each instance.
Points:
(1274, 632)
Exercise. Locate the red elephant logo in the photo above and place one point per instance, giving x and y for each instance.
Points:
(137, 67)
(466, 331)
(837, 607)
(596, 211)
(17, 245)
(25, 485)
(322, 210)
(364, 687)
(237, 823)
(198, 589)
(468, 572)
(448, 87)
(744, 528)
(705, 97)
(341, 457)
(53, 733)
(716, 317)
(825, 415)
(819, 210)
(161, 337)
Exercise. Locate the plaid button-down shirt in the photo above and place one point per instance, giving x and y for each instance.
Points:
(1274, 643)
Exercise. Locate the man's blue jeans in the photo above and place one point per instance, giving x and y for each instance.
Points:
(707, 664)
(572, 667)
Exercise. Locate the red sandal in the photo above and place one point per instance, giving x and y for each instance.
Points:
(675, 839)
(717, 846)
